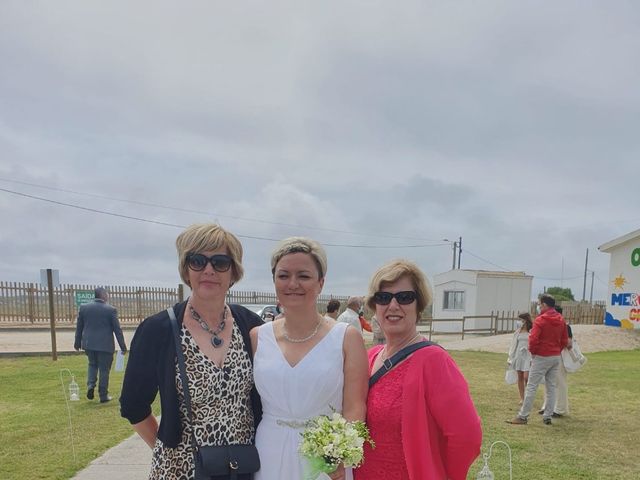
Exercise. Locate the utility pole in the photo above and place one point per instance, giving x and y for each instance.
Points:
(459, 251)
(591, 294)
(584, 284)
(455, 248)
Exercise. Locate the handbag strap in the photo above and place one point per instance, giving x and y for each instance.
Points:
(183, 371)
(397, 357)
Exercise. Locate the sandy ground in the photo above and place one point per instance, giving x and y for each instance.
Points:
(592, 338)
(14, 340)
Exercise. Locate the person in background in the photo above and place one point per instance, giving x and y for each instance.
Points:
(546, 340)
(419, 412)
(364, 323)
(350, 316)
(561, 407)
(96, 325)
(519, 355)
(333, 307)
(378, 335)
(214, 338)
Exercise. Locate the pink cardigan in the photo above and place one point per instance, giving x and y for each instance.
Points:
(441, 432)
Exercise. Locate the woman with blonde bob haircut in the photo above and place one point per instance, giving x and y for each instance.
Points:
(419, 411)
(391, 272)
(305, 364)
(207, 237)
(213, 338)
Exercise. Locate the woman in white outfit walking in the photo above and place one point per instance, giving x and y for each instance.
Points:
(519, 356)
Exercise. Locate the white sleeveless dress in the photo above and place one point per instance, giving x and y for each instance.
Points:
(291, 396)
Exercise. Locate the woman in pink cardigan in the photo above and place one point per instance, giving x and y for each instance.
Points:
(419, 411)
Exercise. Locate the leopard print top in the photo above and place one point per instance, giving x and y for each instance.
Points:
(220, 406)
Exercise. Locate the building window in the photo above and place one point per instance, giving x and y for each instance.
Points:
(453, 300)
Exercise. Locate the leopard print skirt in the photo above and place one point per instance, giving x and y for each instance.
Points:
(220, 405)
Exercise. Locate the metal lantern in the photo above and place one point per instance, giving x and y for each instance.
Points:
(486, 473)
(74, 390)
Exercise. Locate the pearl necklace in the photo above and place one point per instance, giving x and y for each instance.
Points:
(384, 355)
(216, 341)
(301, 340)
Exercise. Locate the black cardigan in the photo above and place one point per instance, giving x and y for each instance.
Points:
(152, 368)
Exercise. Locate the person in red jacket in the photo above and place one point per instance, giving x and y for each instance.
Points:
(546, 340)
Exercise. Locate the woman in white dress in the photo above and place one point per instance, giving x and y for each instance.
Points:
(305, 365)
(519, 356)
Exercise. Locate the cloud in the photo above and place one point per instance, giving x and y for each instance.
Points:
(390, 126)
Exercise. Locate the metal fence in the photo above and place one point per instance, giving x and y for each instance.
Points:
(27, 304)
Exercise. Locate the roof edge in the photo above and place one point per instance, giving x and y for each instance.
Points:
(610, 245)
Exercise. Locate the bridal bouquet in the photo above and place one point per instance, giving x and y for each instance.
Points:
(328, 441)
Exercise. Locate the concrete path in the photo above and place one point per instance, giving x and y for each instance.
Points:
(38, 340)
(128, 460)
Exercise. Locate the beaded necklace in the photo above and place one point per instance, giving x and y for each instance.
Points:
(301, 340)
(216, 341)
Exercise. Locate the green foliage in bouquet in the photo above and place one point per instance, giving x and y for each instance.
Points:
(328, 441)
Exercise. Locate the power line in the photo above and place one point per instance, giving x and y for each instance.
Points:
(534, 275)
(487, 261)
(217, 215)
(166, 224)
(601, 281)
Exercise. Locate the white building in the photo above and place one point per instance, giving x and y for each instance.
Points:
(459, 293)
(623, 300)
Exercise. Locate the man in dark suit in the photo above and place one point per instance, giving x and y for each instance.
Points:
(96, 325)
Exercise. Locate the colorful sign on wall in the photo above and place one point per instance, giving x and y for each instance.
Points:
(623, 304)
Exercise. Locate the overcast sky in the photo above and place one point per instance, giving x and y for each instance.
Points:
(383, 124)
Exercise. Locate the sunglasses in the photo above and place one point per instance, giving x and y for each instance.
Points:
(198, 262)
(403, 298)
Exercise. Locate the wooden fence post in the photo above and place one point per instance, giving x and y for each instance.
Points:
(52, 317)
(31, 302)
(180, 293)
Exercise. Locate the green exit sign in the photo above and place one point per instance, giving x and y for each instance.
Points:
(84, 296)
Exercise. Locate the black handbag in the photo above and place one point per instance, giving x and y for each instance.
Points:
(213, 461)
(231, 460)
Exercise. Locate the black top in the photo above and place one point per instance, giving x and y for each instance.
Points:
(152, 368)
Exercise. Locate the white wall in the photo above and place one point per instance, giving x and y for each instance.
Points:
(484, 293)
(621, 267)
(458, 280)
(501, 293)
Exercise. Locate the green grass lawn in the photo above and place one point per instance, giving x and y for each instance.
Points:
(597, 441)
(35, 440)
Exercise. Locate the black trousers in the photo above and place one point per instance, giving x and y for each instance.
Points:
(99, 363)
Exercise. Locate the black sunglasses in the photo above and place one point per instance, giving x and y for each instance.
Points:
(403, 298)
(198, 262)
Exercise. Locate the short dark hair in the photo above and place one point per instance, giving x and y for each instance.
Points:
(100, 292)
(333, 306)
(558, 309)
(548, 300)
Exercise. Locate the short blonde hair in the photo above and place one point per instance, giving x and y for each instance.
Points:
(394, 271)
(300, 245)
(205, 237)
